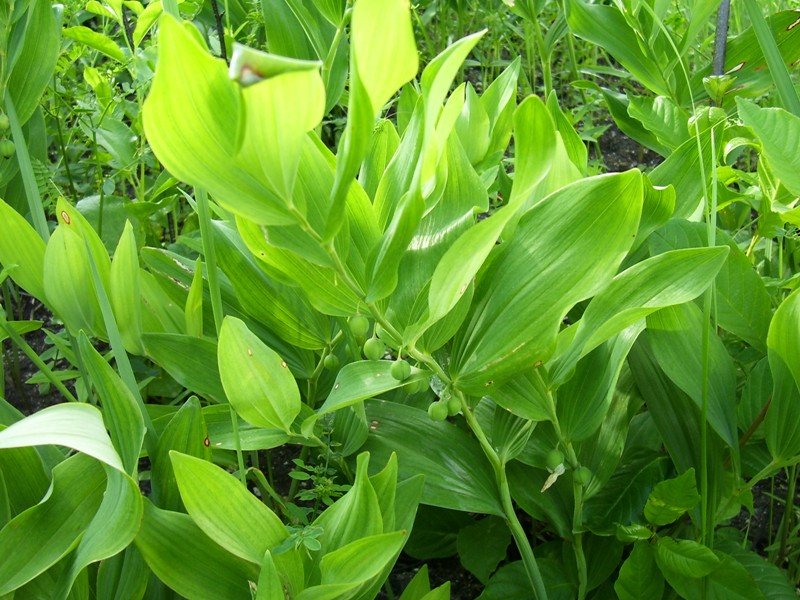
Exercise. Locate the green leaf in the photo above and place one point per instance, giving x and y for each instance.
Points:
(193, 310)
(662, 117)
(466, 484)
(124, 575)
(685, 557)
(675, 336)
(146, 20)
(364, 379)
(69, 284)
(95, 40)
(376, 73)
(355, 515)
(191, 361)
(743, 305)
(39, 537)
(257, 381)
(225, 510)
(296, 100)
(190, 562)
(382, 48)
(76, 426)
(435, 532)
(584, 400)
(672, 498)
(772, 55)
(776, 128)
(623, 498)
(639, 576)
(284, 308)
(120, 411)
(112, 529)
(664, 280)
(682, 170)
(525, 395)
(186, 433)
(20, 245)
(360, 560)
(34, 59)
(782, 428)
(482, 546)
(194, 119)
(607, 27)
(771, 579)
(124, 291)
(508, 329)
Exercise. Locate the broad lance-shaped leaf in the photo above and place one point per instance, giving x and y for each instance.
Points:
(675, 336)
(112, 529)
(257, 381)
(521, 302)
(457, 474)
(225, 510)
(782, 425)
(106, 525)
(383, 57)
(535, 135)
(191, 361)
(68, 281)
(206, 129)
(778, 131)
(20, 245)
(124, 291)
(358, 381)
(39, 537)
(664, 280)
(121, 412)
(186, 433)
(190, 562)
(743, 305)
(76, 426)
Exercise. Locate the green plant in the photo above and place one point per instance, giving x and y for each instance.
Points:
(599, 372)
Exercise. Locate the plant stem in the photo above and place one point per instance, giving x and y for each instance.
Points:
(499, 467)
(204, 216)
(26, 170)
(223, 51)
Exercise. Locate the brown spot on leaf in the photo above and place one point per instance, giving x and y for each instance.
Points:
(206, 442)
(283, 364)
(65, 216)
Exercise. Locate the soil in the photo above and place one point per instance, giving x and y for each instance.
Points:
(620, 153)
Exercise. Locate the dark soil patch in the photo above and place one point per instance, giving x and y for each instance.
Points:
(30, 398)
(620, 153)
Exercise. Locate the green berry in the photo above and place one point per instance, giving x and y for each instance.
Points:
(6, 148)
(374, 349)
(554, 458)
(417, 386)
(331, 362)
(400, 370)
(4, 122)
(453, 406)
(359, 327)
(438, 411)
(582, 475)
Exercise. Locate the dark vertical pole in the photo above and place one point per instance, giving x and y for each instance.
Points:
(721, 38)
(220, 30)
